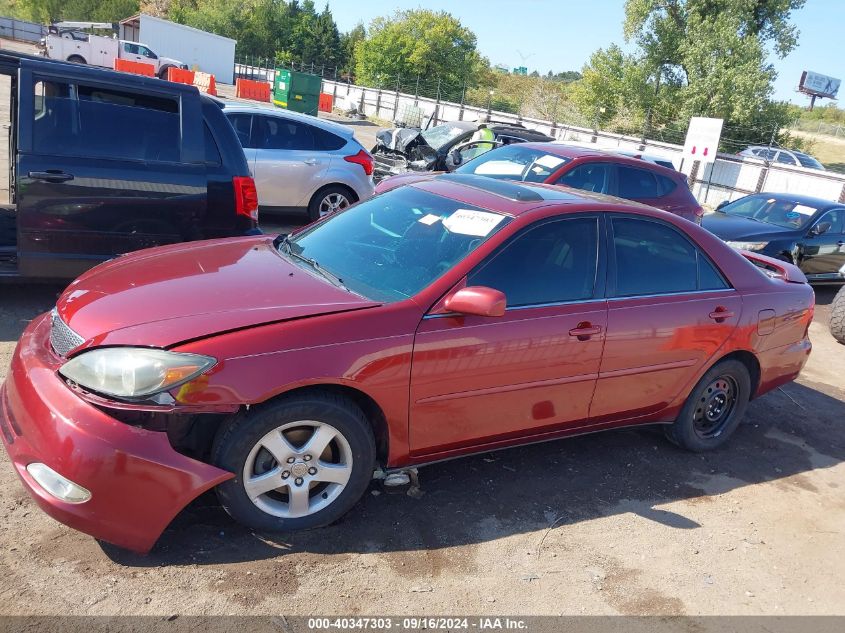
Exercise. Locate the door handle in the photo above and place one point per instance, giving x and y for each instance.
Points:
(720, 314)
(585, 330)
(51, 175)
(311, 161)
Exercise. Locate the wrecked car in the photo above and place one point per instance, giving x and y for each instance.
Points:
(444, 147)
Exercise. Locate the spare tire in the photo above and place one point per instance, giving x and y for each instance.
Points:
(837, 316)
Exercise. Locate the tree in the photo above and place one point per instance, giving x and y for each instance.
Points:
(709, 55)
(348, 42)
(433, 45)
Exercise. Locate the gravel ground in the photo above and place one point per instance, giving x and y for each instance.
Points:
(617, 522)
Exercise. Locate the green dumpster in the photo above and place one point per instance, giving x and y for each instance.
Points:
(299, 92)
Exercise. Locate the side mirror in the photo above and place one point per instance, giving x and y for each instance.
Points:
(821, 228)
(723, 203)
(455, 157)
(477, 301)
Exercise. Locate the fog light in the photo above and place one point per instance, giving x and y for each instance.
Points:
(58, 486)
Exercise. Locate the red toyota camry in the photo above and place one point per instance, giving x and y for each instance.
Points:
(455, 315)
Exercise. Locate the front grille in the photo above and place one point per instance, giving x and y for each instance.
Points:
(62, 338)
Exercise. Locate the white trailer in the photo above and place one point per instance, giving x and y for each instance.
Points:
(200, 50)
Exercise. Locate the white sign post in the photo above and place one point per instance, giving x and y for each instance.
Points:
(702, 141)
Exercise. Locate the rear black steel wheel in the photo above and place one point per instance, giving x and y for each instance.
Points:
(713, 409)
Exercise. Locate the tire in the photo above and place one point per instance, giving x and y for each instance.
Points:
(317, 206)
(713, 409)
(76, 59)
(837, 316)
(314, 489)
(162, 73)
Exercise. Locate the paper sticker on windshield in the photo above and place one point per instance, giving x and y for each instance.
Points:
(471, 222)
(549, 161)
(499, 168)
(803, 209)
(429, 219)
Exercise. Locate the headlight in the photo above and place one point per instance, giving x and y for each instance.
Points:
(133, 372)
(748, 246)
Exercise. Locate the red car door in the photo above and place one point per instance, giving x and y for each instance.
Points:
(669, 312)
(481, 379)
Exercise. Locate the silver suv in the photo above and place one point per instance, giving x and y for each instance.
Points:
(300, 162)
(783, 156)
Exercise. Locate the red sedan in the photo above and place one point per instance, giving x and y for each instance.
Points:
(456, 315)
(582, 168)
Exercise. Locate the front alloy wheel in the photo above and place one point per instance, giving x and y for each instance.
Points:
(298, 469)
(299, 462)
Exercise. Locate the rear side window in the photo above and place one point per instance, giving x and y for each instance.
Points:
(653, 259)
(327, 141)
(636, 184)
(94, 122)
(243, 128)
(667, 185)
(212, 152)
(279, 133)
(550, 263)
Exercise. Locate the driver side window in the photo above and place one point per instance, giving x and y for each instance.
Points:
(553, 262)
(836, 217)
(589, 177)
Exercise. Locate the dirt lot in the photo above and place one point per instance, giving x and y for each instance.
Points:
(619, 522)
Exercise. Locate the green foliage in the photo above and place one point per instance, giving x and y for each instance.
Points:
(429, 44)
(693, 58)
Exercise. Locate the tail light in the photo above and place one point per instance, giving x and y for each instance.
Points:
(362, 158)
(246, 197)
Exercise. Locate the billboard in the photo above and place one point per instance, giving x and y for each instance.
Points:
(702, 140)
(818, 85)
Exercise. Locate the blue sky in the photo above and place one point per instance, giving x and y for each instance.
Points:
(561, 34)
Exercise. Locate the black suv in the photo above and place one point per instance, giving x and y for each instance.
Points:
(444, 147)
(102, 163)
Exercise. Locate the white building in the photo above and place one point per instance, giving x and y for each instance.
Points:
(200, 50)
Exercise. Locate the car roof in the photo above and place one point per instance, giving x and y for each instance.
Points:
(329, 126)
(515, 198)
(819, 203)
(575, 151)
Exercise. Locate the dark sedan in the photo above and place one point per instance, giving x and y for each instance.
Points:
(808, 232)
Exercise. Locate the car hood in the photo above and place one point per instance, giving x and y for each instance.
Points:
(164, 296)
(170, 60)
(732, 227)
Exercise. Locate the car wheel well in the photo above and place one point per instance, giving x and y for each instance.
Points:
(372, 411)
(751, 363)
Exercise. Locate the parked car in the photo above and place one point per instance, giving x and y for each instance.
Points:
(783, 156)
(445, 318)
(75, 46)
(302, 163)
(445, 146)
(580, 168)
(103, 163)
(808, 232)
(837, 316)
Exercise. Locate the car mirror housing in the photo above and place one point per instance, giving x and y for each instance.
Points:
(821, 228)
(477, 301)
(455, 157)
(722, 204)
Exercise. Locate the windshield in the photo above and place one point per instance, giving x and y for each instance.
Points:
(441, 135)
(515, 162)
(785, 213)
(394, 245)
